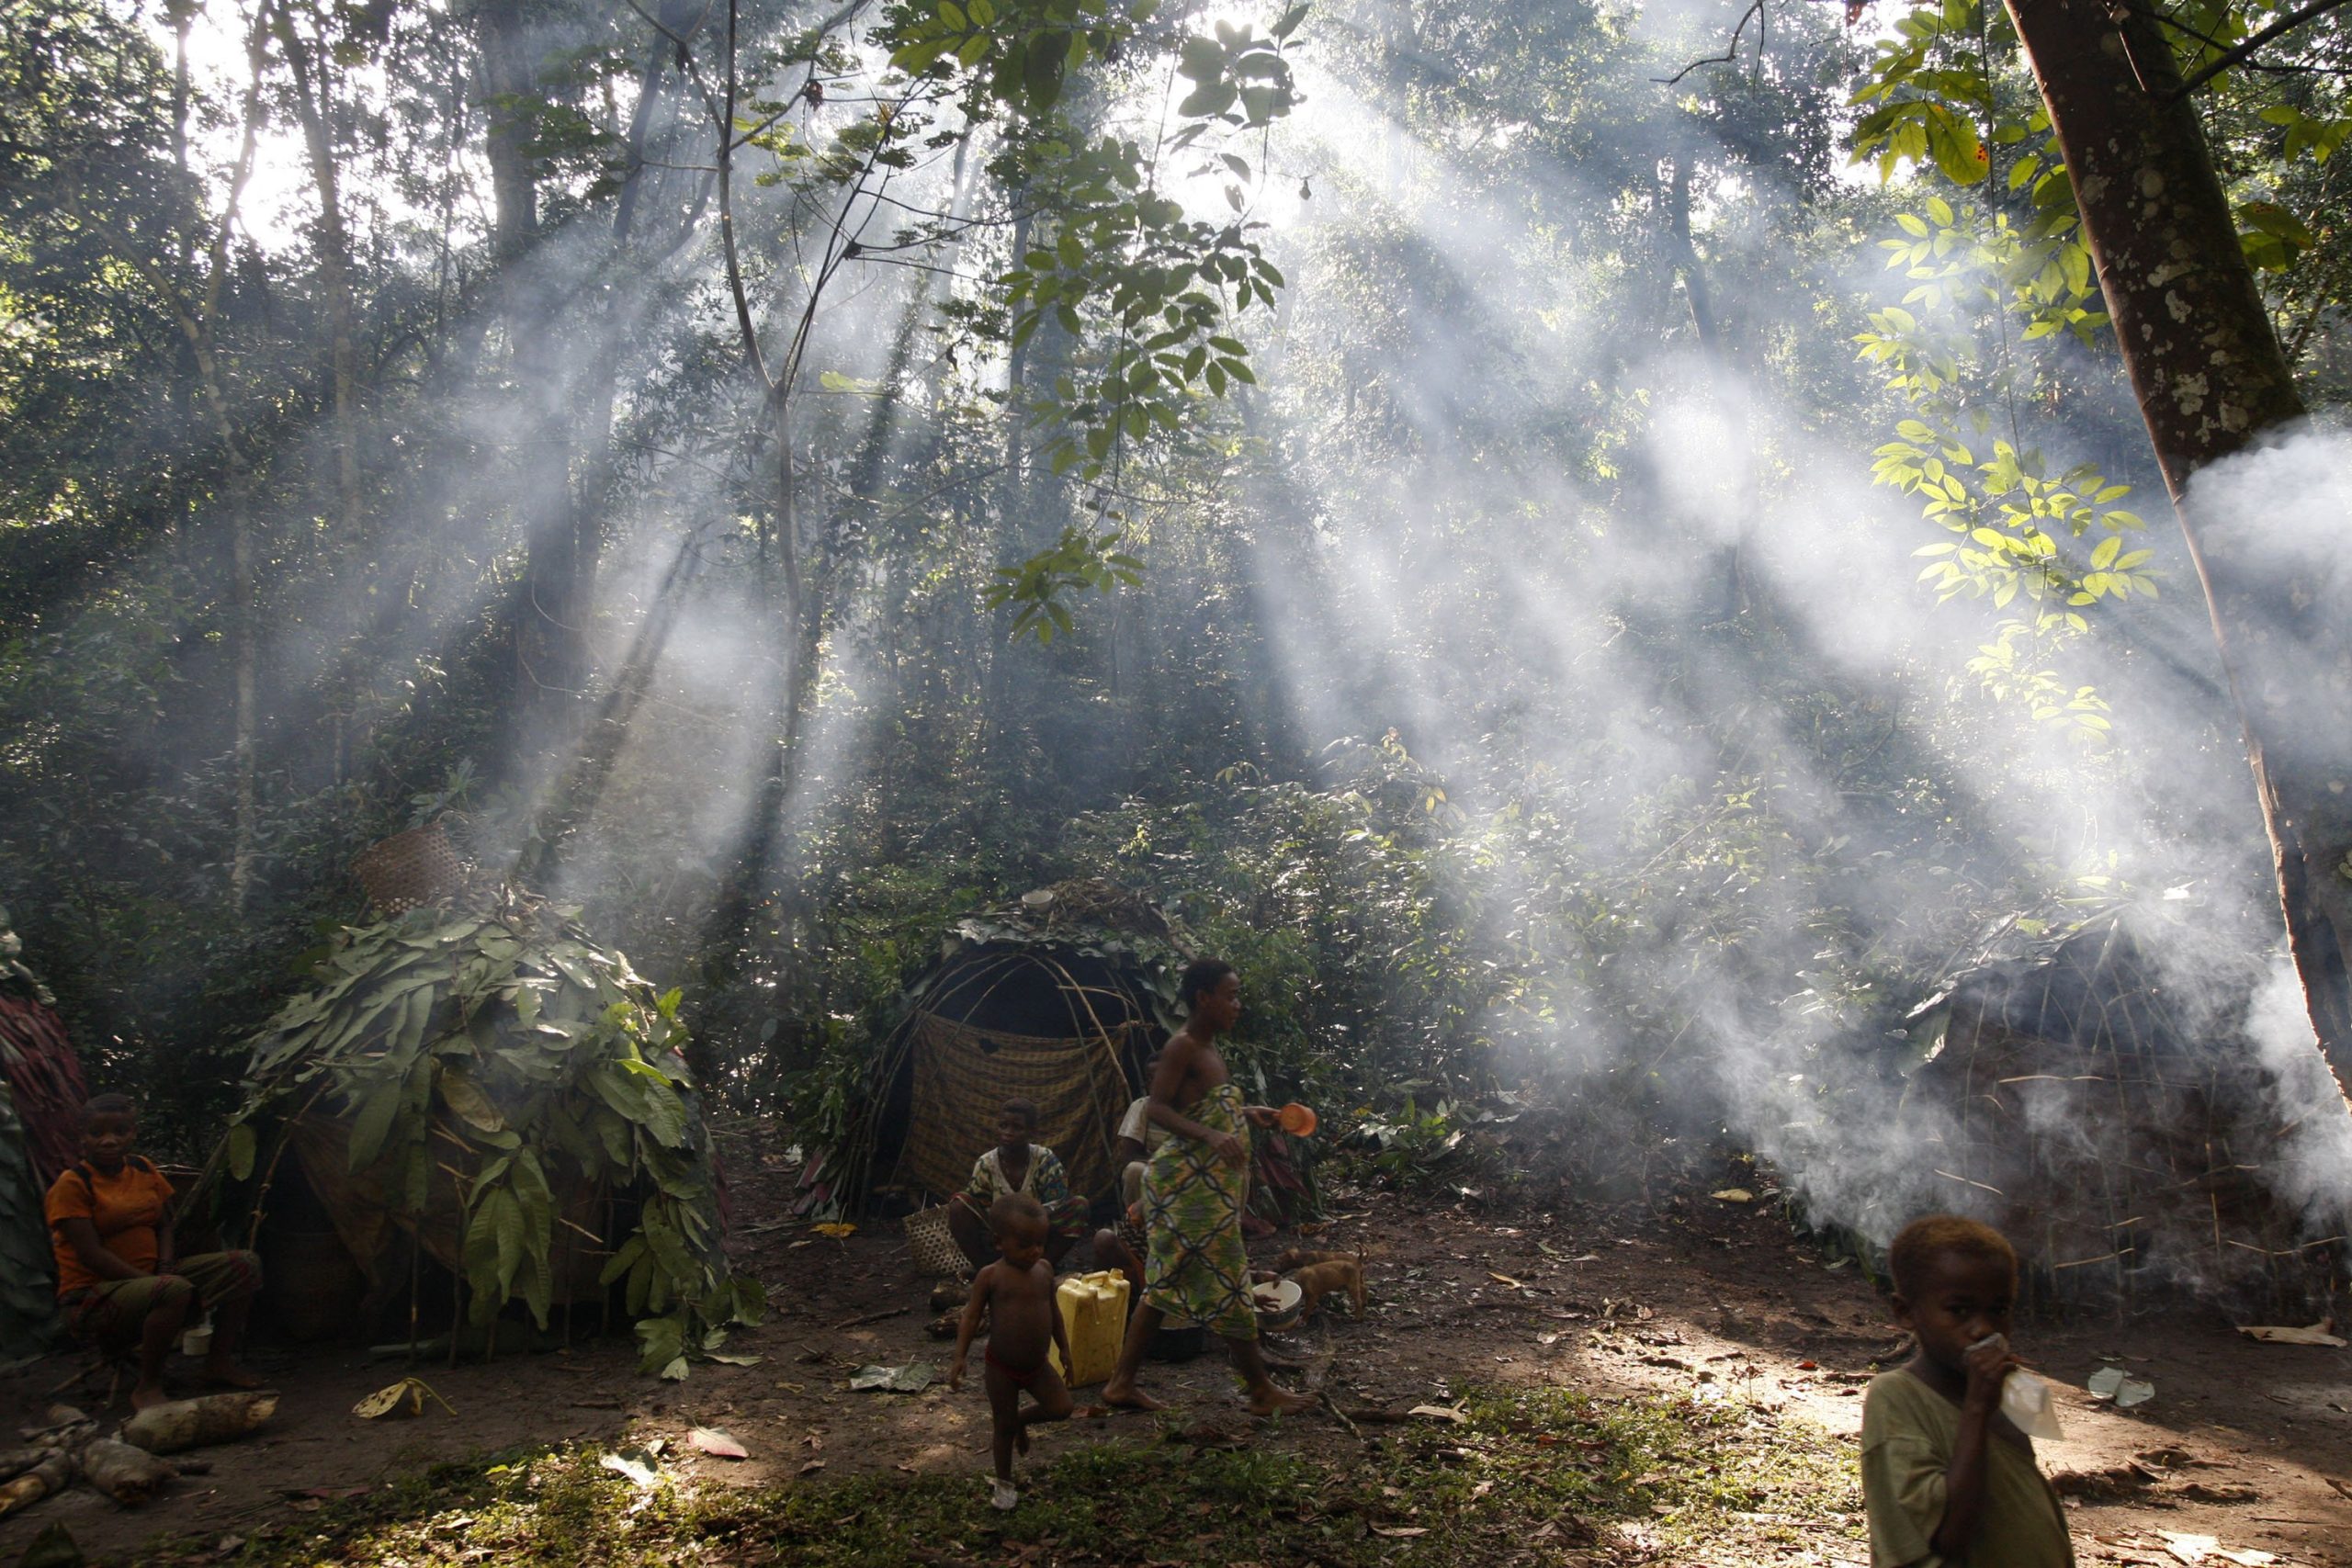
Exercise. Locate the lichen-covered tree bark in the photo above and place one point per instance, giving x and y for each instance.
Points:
(2210, 378)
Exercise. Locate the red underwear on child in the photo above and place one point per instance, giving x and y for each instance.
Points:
(1020, 1379)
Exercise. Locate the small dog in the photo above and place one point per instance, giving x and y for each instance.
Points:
(1303, 1258)
(1321, 1279)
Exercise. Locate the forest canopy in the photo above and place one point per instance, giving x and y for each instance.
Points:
(1595, 550)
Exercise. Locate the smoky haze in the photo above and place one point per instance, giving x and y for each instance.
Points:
(1583, 520)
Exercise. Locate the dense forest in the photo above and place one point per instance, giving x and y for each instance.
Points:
(1599, 552)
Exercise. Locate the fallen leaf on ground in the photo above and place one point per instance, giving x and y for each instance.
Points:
(2189, 1548)
(837, 1229)
(1400, 1530)
(717, 1442)
(2113, 1383)
(2316, 1334)
(636, 1463)
(406, 1397)
(1735, 1195)
(1504, 1279)
(812, 1467)
(912, 1378)
(1440, 1412)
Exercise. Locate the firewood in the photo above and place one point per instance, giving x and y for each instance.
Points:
(129, 1475)
(15, 1461)
(54, 1473)
(198, 1423)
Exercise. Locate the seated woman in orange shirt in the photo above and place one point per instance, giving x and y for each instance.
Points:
(116, 1279)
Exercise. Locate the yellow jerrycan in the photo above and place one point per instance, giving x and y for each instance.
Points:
(1095, 1314)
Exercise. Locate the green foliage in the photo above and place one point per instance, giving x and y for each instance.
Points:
(1415, 1150)
(1929, 87)
(2320, 136)
(1487, 320)
(1146, 296)
(1976, 261)
(1080, 561)
(1945, 92)
(1124, 262)
(1019, 53)
(506, 1049)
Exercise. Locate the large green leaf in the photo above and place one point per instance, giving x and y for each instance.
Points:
(513, 1236)
(465, 1098)
(378, 1106)
(621, 1262)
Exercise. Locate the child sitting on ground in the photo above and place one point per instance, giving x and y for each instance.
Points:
(118, 1282)
(1017, 1292)
(1016, 1165)
(1948, 1481)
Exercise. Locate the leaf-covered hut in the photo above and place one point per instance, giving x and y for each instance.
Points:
(37, 1058)
(2124, 1142)
(488, 1088)
(42, 1093)
(28, 1281)
(1059, 999)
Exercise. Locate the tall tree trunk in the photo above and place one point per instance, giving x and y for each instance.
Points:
(312, 106)
(2206, 367)
(550, 626)
(243, 627)
(197, 315)
(1732, 563)
(1016, 504)
(1686, 257)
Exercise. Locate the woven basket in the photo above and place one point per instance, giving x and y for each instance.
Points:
(934, 1245)
(420, 866)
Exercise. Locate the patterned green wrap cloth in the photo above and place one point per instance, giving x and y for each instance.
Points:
(1197, 1266)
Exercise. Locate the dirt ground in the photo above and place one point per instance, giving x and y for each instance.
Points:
(2246, 1443)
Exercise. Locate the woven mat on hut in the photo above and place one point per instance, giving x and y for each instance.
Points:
(962, 1075)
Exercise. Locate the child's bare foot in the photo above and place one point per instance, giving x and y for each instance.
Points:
(223, 1374)
(1272, 1401)
(147, 1396)
(1127, 1396)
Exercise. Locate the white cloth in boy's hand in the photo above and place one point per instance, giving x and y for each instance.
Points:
(2024, 1398)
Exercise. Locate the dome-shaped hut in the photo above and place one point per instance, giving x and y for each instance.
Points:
(42, 1093)
(2126, 1136)
(487, 1090)
(1059, 999)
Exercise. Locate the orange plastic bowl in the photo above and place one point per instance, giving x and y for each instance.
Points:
(1297, 1121)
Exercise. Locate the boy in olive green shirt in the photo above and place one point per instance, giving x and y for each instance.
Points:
(1948, 1481)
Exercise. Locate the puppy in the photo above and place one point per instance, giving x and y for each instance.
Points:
(1302, 1258)
(1319, 1279)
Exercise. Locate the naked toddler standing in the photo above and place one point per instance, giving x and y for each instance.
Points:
(1016, 1292)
